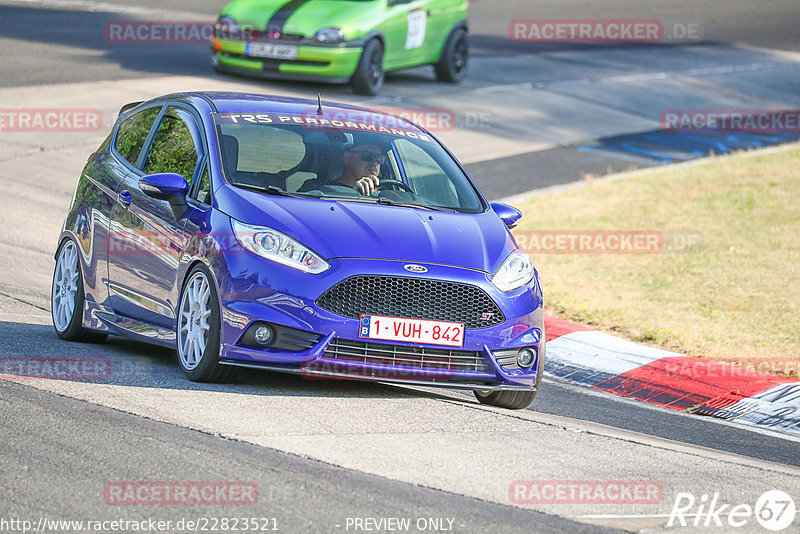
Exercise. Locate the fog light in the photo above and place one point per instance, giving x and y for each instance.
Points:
(263, 335)
(526, 357)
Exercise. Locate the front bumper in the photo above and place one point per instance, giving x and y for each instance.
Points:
(381, 376)
(277, 296)
(335, 64)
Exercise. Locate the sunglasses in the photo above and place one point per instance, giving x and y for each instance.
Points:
(369, 157)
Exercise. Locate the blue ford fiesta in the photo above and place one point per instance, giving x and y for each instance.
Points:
(298, 236)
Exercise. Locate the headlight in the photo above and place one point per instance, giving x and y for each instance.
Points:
(515, 272)
(330, 35)
(278, 247)
(226, 27)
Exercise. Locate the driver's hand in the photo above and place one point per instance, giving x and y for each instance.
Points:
(367, 185)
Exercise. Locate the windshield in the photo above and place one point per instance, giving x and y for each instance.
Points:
(351, 160)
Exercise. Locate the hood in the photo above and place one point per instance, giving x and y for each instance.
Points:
(370, 231)
(304, 17)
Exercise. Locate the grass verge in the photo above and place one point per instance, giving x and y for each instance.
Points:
(734, 296)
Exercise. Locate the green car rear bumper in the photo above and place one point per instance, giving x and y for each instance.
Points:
(335, 64)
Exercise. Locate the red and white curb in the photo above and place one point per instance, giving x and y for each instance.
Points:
(580, 355)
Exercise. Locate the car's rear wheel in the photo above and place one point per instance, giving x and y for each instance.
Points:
(198, 328)
(67, 297)
(368, 78)
(452, 65)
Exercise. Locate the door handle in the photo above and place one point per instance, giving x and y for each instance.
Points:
(124, 198)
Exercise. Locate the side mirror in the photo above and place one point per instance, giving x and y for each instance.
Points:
(510, 215)
(168, 186)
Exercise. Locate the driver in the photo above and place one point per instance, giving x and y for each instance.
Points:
(361, 165)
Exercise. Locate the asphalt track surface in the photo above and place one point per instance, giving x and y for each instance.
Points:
(63, 450)
(300, 495)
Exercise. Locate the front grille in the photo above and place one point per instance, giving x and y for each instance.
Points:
(251, 34)
(507, 359)
(413, 298)
(270, 62)
(396, 355)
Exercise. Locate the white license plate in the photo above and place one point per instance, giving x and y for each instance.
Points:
(412, 330)
(274, 51)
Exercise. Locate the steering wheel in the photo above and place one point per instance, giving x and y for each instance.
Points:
(385, 184)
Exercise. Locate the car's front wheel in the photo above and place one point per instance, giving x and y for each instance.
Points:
(452, 65)
(513, 400)
(368, 78)
(198, 328)
(516, 400)
(67, 297)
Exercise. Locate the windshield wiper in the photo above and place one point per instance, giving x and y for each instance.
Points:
(271, 190)
(275, 190)
(387, 202)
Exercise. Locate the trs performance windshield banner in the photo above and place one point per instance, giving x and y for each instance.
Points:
(354, 121)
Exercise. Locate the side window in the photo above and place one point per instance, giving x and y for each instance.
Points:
(133, 133)
(173, 148)
(204, 188)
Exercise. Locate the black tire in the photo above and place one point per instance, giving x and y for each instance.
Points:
(215, 65)
(516, 400)
(208, 368)
(74, 330)
(452, 64)
(513, 400)
(368, 78)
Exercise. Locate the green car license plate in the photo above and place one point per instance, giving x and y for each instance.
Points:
(270, 50)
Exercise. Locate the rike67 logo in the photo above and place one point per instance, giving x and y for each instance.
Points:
(774, 510)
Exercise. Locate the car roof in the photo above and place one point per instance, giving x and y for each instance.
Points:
(230, 102)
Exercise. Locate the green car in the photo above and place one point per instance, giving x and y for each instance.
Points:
(341, 41)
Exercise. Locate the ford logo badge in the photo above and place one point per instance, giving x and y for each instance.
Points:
(415, 268)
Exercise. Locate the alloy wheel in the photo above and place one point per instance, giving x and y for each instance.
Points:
(193, 321)
(65, 286)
